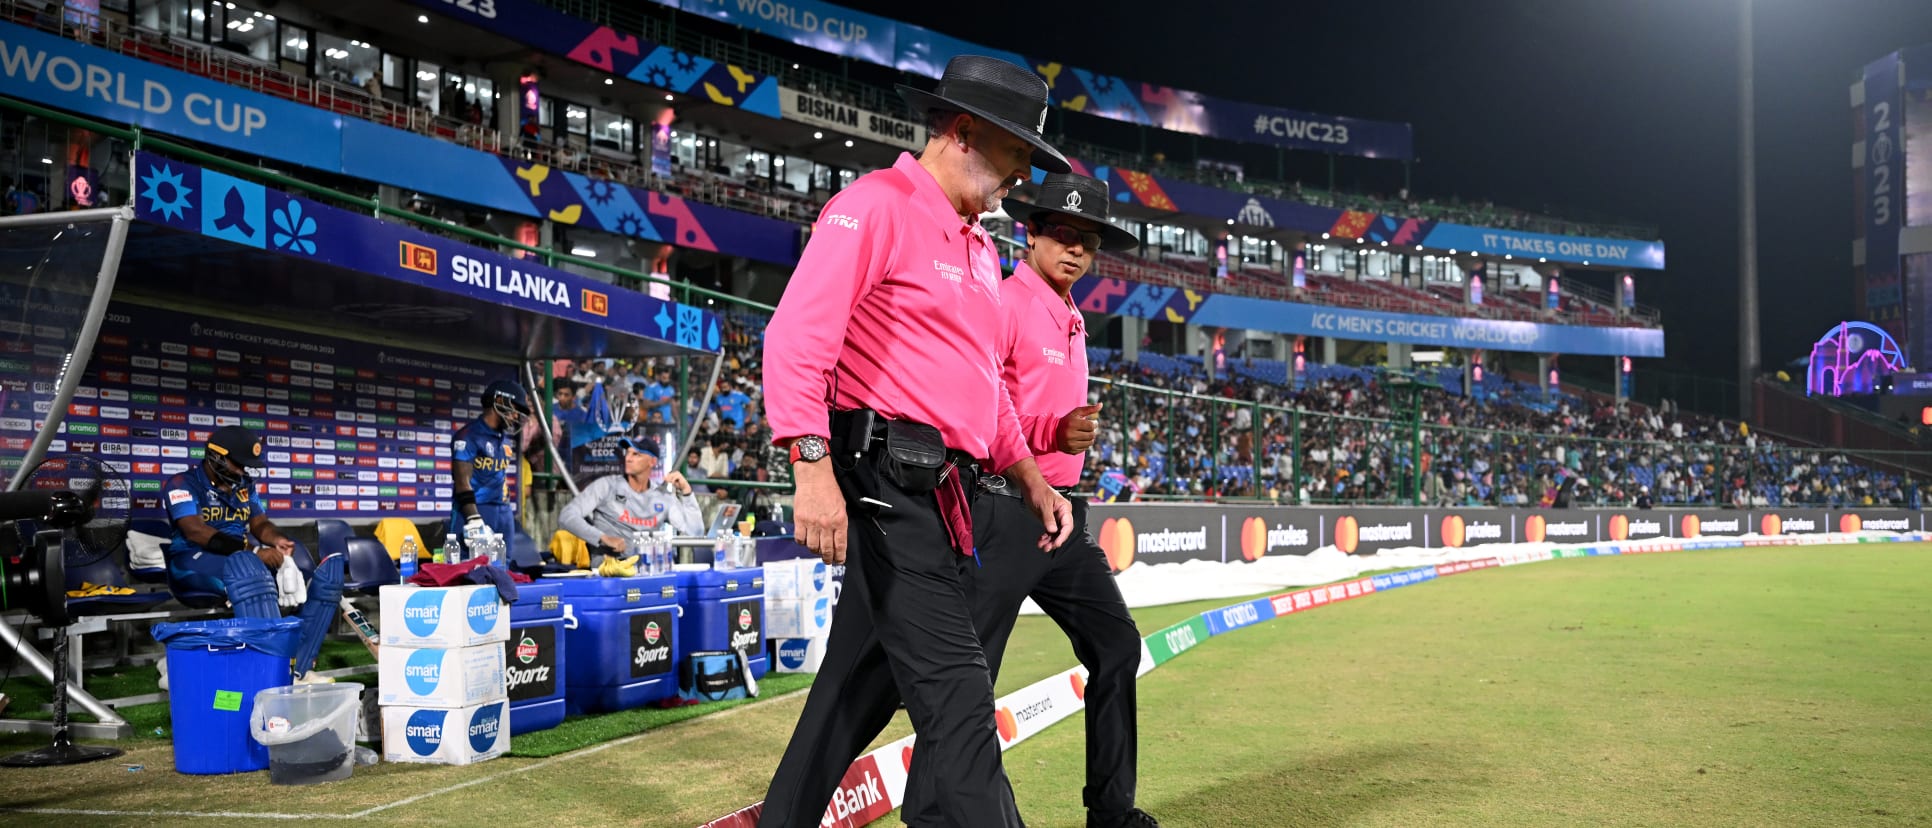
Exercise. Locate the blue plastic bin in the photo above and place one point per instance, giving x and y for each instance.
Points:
(215, 668)
(625, 647)
(723, 605)
(536, 657)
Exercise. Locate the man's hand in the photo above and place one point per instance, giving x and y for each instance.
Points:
(614, 542)
(678, 484)
(1054, 512)
(271, 556)
(819, 509)
(1078, 429)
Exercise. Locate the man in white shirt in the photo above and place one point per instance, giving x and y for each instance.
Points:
(607, 511)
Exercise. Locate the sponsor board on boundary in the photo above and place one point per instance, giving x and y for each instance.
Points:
(1149, 533)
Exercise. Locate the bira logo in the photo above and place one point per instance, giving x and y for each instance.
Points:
(486, 726)
(424, 671)
(949, 272)
(423, 612)
(424, 731)
(482, 611)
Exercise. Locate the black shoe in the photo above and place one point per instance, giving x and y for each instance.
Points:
(1135, 818)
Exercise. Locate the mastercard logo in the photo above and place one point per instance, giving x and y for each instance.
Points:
(1079, 685)
(905, 757)
(1452, 536)
(1254, 538)
(1850, 523)
(1771, 525)
(1347, 534)
(1692, 526)
(1008, 726)
(1619, 528)
(1533, 529)
(1117, 540)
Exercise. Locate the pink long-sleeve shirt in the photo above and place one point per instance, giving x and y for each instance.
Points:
(894, 306)
(1044, 365)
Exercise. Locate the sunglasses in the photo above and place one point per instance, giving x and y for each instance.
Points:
(1067, 235)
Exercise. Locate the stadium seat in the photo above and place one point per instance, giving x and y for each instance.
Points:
(393, 531)
(529, 558)
(105, 571)
(331, 537)
(369, 566)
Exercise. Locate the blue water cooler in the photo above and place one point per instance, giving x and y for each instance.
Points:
(625, 647)
(724, 609)
(536, 657)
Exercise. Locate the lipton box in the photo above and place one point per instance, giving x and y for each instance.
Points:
(443, 617)
(437, 736)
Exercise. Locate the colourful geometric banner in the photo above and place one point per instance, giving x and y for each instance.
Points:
(877, 40)
(617, 54)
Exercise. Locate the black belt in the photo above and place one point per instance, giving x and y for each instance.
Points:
(855, 432)
(999, 485)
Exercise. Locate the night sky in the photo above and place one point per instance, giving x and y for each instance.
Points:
(1624, 108)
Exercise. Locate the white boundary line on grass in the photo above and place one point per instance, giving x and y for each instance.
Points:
(410, 800)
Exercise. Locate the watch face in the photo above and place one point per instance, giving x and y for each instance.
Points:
(809, 449)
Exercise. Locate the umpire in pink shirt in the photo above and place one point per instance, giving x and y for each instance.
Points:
(1044, 366)
(882, 376)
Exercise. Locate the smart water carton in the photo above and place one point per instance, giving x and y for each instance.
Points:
(797, 655)
(798, 618)
(445, 617)
(799, 579)
(440, 677)
(436, 736)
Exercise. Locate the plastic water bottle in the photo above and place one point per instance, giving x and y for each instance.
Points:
(660, 551)
(406, 564)
(452, 551)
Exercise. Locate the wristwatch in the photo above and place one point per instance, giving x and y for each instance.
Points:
(810, 449)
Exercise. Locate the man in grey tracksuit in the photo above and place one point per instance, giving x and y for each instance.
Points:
(607, 511)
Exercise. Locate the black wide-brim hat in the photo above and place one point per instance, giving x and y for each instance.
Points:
(1075, 196)
(1011, 97)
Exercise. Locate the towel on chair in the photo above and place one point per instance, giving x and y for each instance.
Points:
(144, 551)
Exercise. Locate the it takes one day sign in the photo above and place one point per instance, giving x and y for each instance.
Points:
(61, 73)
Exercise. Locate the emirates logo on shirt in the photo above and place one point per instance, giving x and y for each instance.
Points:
(949, 272)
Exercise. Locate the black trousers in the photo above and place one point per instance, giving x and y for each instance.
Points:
(1075, 587)
(902, 630)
